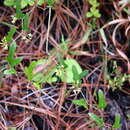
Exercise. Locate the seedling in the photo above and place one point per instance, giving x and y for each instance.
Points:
(76, 76)
(117, 121)
(11, 60)
(94, 12)
(19, 15)
(101, 100)
(80, 102)
(98, 120)
(71, 71)
(41, 72)
(24, 3)
(25, 22)
(116, 79)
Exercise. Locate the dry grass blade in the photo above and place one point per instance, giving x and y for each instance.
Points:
(33, 108)
(115, 22)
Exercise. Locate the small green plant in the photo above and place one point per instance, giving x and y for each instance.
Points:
(101, 100)
(8, 38)
(116, 79)
(81, 102)
(94, 12)
(19, 15)
(98, 120)
(117, 121)
(70, 71)
(45, 71)
(35, 72)
(41, 71)
(25, 3)
(11, 60)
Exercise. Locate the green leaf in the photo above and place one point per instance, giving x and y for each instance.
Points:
(31, 2)
(89, 14)
(63, 41)
(80, 102)
(29, 70)
(75, 73)
(38, 77)
(12, 49)
(25, 22)
(18, 9)
(61, 60)
(93, 9)
(24, 3)
(97, 14)
(126, 11)
(84, 73)
(103, 36)
(92, 2)
(40, 2)
(68, 71)
(64, 44)
(53, 80)
(10, 71)
(11, 60)
(94, 117)
(101, 100)
(117, 122)
(15, 62)
(9, 2)
(50, 2)
(96, 5)
(10, 34)
(37, 85)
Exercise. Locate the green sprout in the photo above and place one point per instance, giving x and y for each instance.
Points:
(101, 100)
(116, 79)
(80, 102)
(98, 120)
(117, 121)
(94, 12)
